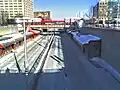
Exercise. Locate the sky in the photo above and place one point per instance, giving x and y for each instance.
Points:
(63, 8)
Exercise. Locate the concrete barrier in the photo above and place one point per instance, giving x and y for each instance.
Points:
(89, 44)
(110, 50)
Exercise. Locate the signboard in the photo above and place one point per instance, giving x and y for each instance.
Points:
(44, 15)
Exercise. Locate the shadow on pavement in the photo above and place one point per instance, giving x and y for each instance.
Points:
(10, 80)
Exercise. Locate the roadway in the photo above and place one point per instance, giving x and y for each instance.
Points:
(66, 68)
(34, 48)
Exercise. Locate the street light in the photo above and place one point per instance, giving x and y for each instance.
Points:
(25, 48)
(25, 43)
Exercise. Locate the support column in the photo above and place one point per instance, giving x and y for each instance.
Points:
(64, 23)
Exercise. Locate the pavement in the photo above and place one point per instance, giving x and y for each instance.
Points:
(110, 44)
(67, 68)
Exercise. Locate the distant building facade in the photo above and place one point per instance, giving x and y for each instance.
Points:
(95, 10)
(103, 10)
(106, 10)
(113, 10)
(46, 15)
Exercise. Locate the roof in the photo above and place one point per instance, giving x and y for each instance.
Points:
(85, 39)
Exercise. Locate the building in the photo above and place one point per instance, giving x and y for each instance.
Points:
(107, 10)
(103, 10)
(100, 11)
(95, 10)
(17, 8)
(46, 15)
(113, 10)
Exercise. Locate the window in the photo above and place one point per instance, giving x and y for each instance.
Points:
(10, 4)
(20, 6)
(15, 8)
(11, 14)
(11, 8)
(6, 3)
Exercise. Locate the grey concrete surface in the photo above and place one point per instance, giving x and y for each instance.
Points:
(81, 73)
(110, 44)
(77, 73)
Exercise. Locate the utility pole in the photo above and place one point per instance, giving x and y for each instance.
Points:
(25, 47)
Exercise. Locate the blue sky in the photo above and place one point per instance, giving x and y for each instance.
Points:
(63, 8)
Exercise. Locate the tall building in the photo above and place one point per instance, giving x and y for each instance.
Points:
(16, 8)
(95, 10)
(103, 10)
(114, 9)
(107, 10)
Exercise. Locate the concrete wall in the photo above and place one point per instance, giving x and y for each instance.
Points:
(110, 44)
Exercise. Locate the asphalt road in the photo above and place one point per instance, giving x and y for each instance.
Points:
(70, 70)
(110, 44)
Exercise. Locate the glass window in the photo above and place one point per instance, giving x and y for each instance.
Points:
(20, 6)
(11, 14)
(11, 8)
(6, 3)
(15, 8)
(10, 4)
(6, 8)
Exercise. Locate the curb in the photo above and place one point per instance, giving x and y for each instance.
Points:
(101, 63)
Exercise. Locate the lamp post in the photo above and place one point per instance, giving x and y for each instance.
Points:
(25, 43)
(25, 47)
